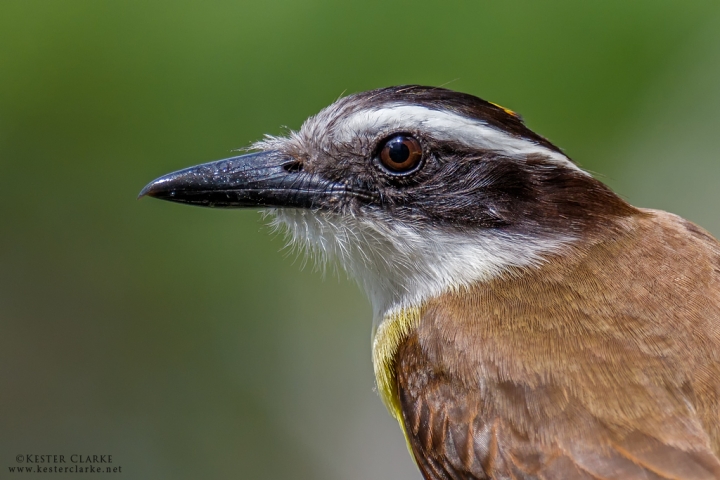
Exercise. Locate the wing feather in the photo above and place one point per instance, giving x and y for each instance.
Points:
(457, 435)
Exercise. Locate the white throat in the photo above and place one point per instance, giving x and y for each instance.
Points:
(401, 267)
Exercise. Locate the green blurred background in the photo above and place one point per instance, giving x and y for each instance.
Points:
(181, 340)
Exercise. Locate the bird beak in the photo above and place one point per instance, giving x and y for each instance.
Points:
(265, 179)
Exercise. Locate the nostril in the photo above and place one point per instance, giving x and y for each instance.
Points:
(293, 167)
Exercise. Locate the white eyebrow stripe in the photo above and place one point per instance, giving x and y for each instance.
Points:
(445, 126)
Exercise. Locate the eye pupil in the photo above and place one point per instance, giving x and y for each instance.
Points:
(401, 154)
(397, 150)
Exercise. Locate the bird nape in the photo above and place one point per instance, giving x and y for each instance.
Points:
(529, 323)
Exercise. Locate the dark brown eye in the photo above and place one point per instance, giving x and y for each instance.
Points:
(401, 154)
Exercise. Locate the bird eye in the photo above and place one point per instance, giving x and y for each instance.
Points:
(401, 154)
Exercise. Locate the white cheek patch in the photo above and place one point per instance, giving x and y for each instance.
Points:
(443, 126)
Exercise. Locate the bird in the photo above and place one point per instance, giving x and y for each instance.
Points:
(529, 323)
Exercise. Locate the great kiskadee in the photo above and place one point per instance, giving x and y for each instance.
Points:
(529, 323)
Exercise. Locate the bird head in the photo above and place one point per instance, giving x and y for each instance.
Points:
(413, 190)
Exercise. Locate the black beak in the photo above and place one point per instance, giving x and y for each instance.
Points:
(265, 179)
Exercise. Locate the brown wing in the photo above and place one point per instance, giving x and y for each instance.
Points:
(455, 434)
(605, 366)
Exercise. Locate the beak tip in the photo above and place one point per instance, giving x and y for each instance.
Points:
(147, 190)
(160, 187)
